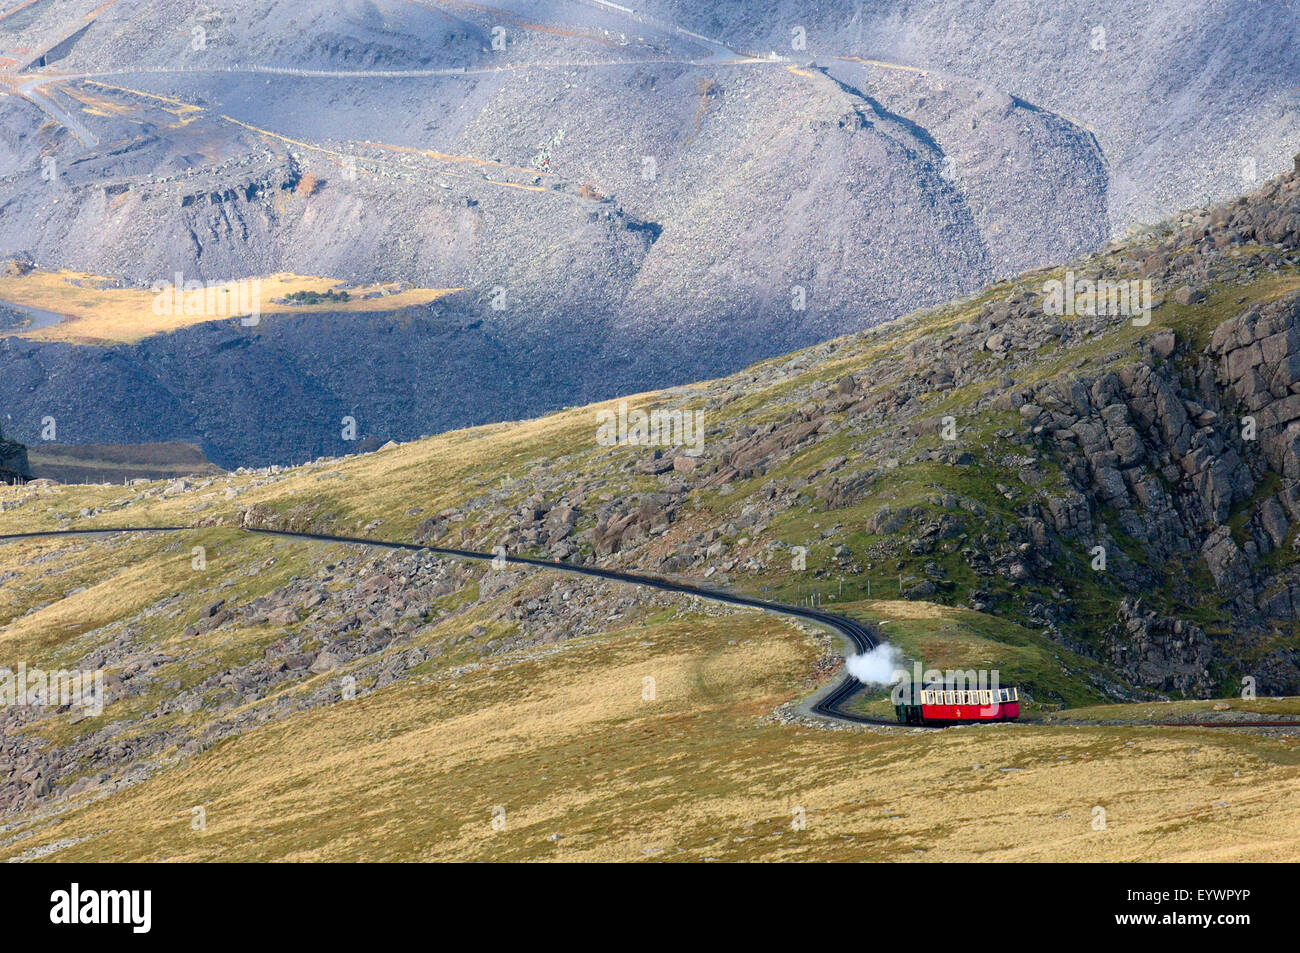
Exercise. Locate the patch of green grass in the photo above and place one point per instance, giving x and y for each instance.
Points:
(952, 639)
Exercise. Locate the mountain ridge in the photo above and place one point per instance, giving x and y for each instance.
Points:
(602, 184)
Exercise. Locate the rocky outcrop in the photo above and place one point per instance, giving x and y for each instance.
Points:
(1180, 462)
(13, 462)
(1257, 358)
(1159, 652)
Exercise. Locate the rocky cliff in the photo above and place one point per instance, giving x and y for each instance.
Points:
(13, 461)
(1130, 483)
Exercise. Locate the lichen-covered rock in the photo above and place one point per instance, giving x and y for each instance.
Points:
(1163, 653)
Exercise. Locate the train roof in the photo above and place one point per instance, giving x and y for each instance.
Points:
(954, 686)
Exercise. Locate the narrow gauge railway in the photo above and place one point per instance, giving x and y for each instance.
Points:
(830, 706)
(932, 711)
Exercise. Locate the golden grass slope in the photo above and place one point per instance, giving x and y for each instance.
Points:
(562, 740)
(98, 314)
(558, 756)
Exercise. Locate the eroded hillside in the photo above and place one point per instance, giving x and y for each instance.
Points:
(621, 204)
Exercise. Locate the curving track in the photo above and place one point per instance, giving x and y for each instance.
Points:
(830, 704)
(827, 707)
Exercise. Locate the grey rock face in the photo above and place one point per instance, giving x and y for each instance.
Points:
(13, 461)
(779, 208)
(1162, 653)
(1116, 66)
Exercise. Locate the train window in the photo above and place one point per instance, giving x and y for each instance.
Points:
(951, 698)
(1002, 694)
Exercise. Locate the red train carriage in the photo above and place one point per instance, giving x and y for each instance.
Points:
(952, 705)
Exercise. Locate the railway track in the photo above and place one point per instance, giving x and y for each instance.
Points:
(830, 706)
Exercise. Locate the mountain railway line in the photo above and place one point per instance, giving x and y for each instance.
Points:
(829, 706)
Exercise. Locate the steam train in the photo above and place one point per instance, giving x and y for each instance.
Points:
(941, 704)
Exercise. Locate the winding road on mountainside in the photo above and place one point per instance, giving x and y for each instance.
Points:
(828, 707)
(30, 85)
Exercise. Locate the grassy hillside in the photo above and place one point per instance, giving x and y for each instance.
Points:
(552, 750)
(556, 754)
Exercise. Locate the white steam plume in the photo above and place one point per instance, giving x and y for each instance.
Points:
(875, 667)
